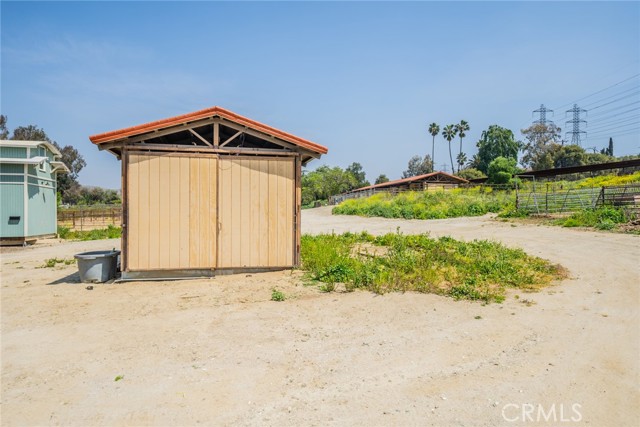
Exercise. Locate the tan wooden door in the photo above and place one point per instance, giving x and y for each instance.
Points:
(256, 208)
(171, 216)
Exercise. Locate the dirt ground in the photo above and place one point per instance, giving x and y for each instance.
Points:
(219, 352)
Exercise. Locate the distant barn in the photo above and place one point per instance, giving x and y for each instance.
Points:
(28, 189)
(209, 191)
(428, 182)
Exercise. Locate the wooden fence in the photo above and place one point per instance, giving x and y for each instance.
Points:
(83, 218)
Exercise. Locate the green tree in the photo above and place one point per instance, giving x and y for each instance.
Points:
(381, 179)
(470, 173)
(593, 158)
(449, 133)
(495, 142)
(501, 170)
(359, 175)
(67, 183)
(4, 132)
(418, 166)
(542, 142)
(461, 129)
(461, 159)
(29, 133)
(608, 150)
(325, 181)
(569, 155)
(434, 130)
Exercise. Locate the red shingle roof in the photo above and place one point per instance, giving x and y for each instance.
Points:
(203, 114)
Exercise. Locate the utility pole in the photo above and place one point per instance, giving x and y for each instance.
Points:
(542, 112)
(576, 133)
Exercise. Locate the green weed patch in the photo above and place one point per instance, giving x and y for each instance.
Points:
(478, 270)
(603, 218)
(110, 232)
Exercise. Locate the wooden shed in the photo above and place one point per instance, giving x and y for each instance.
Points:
(206, 192)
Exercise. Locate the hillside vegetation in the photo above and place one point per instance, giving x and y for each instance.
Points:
(429, 205)
(461, 202)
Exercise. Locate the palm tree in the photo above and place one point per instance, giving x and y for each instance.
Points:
(462, 159)
(461, 128)
(434, 130)
(449, 133)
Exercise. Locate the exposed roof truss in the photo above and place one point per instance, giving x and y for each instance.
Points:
(212, 130)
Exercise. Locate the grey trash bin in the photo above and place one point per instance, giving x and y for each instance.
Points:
(97, 266)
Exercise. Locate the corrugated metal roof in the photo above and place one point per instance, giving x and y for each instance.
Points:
(203, 114)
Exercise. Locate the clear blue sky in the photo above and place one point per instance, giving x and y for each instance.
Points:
(364, 79)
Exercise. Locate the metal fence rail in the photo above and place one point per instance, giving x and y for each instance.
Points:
(551, 199)
(626, 196)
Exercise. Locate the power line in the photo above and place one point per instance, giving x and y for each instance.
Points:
(614, 123)
(634, 88)
(600, 137)
(600, 118)
(615, 100)
(616, 134)
(600, 91)
(614, 129)
(600, 113)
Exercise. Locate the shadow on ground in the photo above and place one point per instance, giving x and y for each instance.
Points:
(68, 279)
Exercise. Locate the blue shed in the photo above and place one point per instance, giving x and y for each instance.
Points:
(28, 205)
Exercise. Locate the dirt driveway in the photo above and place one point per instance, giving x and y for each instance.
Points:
(219, 352)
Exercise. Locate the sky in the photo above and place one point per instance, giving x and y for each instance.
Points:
(364, 79)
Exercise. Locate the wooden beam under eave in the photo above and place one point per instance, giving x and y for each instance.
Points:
(197, 135)
(269, 138)
(231, 139)
(216, 134)
(171, 130)
(202, 149)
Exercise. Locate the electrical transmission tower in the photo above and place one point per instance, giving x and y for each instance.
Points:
(576, 133)
(542, 111)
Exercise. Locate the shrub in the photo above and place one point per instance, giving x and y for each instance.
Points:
(501, 169)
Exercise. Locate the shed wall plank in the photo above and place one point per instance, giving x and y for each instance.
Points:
(164, 211)
(143, 213)
(184, 212)
(174, 209)
(153, 246)
(133, 223)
